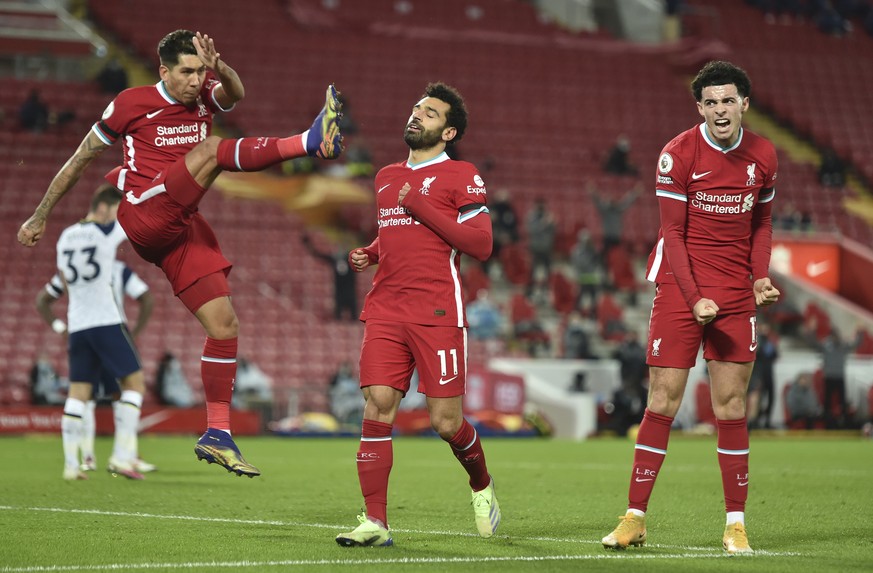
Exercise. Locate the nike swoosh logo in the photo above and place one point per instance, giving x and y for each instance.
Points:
(817, 269)
(640, 480)
(753, 347)
(742, 483)
(698, 176)
(382, 188)
(443, 382)
(154, 113)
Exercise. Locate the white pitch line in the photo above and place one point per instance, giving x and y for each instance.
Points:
(356, 562)
(690, 552)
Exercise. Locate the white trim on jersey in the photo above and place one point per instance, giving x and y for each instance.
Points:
(100, 135)
(656, 263)
(705, 133)
(215, 101)
(472, 213)
(218, 360)
(154, 191)
(438, 159)
(671, 195)
(165, 93)
(456, 281)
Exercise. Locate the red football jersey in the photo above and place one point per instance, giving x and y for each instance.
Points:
(155, 130)
(418, 279)
(727, 195)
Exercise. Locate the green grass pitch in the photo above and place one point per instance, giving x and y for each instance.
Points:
(809, 508)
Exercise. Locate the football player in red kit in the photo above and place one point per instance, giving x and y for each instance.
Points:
(169, 161)
(431, 209)
(715, 185)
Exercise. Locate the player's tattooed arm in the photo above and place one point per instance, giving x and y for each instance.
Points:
(32, 229)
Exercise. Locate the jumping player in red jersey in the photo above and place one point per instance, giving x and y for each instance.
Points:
(170, 160)
(431, 209)
(715, 186)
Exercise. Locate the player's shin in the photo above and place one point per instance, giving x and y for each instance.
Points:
(127, 412)
(733, 459)
(375, 460)
(468, 449)
(71, 431)
(649, 453)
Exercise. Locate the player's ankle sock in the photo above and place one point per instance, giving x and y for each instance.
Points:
(468, 449)
(256, 153)
(649, 452)
(126, 413)
(375, 460)
(88, 430)
(71, 430)
(733, 459)
(218, 369)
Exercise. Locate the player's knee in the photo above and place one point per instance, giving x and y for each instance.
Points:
(446, 427)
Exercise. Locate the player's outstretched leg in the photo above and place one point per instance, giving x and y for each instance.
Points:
(735, 539)
(487, 510)
(324, 139)
(631, 530)
(370, 533)
(217, 447)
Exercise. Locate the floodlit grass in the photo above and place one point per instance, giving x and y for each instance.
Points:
(809, 508)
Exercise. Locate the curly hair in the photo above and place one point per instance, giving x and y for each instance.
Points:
(174, 45)
(457, 116)
(720, 73)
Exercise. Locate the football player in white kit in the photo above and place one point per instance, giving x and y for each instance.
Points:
(125, 282)
(98, 338)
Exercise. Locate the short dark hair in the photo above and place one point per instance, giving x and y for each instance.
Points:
(457, 116)
(720, 73)
(105, 194)
(174, 45)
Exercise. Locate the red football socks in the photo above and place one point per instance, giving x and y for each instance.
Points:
(733, 459)
(256, 153)
(375, 459)
(468, 449)
(649, 453)
(218, 369)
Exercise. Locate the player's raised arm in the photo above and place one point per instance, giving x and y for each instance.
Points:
(231, 89)
(32, 229)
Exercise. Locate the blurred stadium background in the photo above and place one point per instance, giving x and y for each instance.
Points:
(550, 86)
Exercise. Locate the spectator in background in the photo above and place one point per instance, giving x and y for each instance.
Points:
(170, 384)
(801, 401)
(346, 402)
(835, 353)
(541, 228)
(484, 317)
(358, 159)
(634, 372)
(611, 210)
(587, 269)
(33, 114)
(345, 290)
(112, 78)
(618, 160)
(762, 382)
(793, 219)
(832, 171)
(577, 339)
(252, 387)
(46, 387)
(504, 223)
